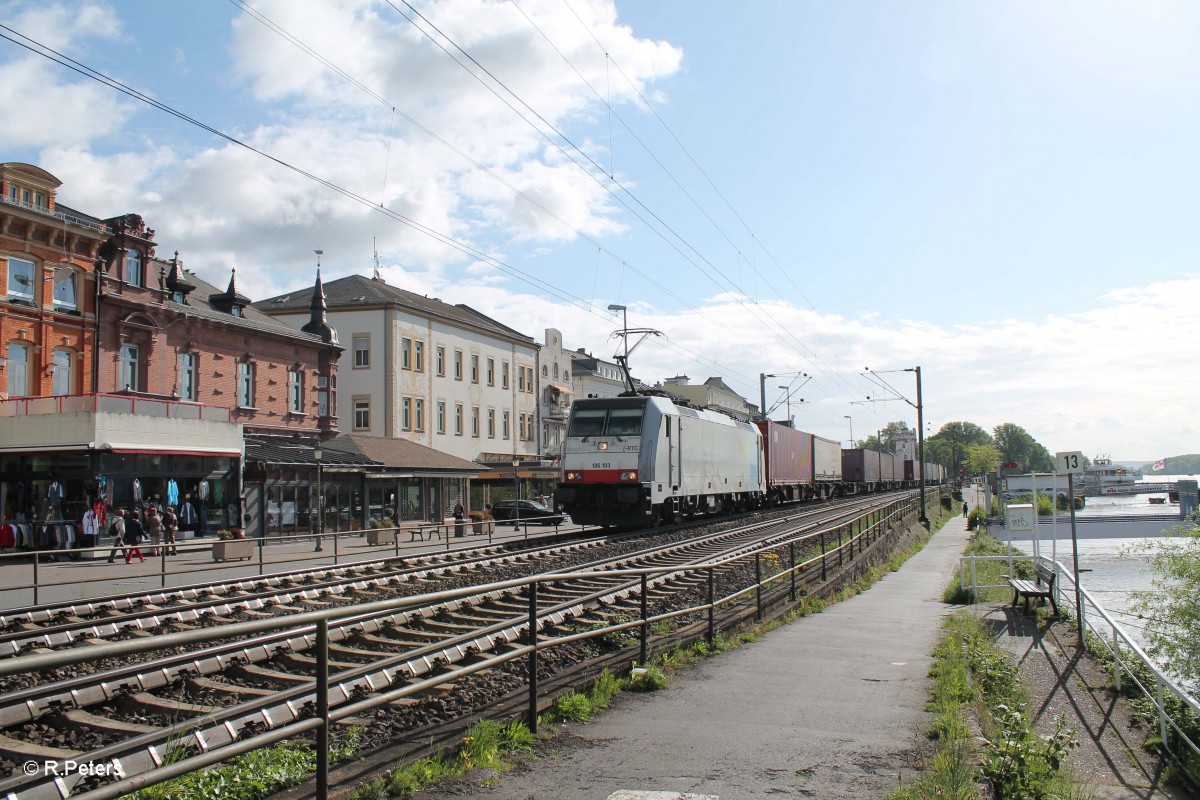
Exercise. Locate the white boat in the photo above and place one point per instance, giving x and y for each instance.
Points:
(1102, 476)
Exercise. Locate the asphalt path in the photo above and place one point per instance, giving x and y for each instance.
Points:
(829, 706)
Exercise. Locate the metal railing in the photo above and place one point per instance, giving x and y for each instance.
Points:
(1127, 655)
(111, 404)
(266, 556)
(860, 534)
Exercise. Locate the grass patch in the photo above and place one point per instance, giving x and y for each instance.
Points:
(987, 572)
(973, 681)
(485, 746)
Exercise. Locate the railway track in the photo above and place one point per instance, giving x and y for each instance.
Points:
(141, 714)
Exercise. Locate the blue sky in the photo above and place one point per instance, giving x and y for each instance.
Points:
(1002, 193)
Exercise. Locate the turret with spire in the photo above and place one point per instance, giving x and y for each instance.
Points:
(316, 322)
(231, 300)
(177, 281)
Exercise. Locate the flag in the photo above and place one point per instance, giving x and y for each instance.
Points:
(1160, 465)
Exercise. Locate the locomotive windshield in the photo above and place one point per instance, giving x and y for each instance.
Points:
(587, 422)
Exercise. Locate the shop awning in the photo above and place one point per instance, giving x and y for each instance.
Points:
(561, 388)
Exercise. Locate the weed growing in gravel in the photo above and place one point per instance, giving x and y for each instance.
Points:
(971, 675)
(648, 679)
(484, 747)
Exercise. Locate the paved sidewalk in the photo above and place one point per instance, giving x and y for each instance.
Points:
(830, 706)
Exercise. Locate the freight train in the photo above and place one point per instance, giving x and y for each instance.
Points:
(645, 459)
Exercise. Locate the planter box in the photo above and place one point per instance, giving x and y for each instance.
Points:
(487, 526)
(233, 549)
(381, 536)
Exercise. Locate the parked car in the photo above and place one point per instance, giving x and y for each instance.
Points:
(526, 510)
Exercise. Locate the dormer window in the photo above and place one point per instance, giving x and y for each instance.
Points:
(133, 267)
(236, 311)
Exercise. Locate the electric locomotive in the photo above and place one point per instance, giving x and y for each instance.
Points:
(639, 460)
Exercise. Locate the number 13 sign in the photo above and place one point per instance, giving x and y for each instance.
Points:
(1069, 462)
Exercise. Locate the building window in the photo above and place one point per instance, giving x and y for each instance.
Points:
(323, 406)
(458, 365)
(441, 416)
(475, 421)
(521, 419)
(458, 419)
(127, 368)
(20, 279)
(64, 289)
(555, 370)
(503, 374)
(362, 415)
(504, 424)
(474, 368)
(491, 372)
(362, 352)
(187, 377)
(133, 267)
(245, 384)
(441, 361)
(18, 370)
(491, 422)
(419, 414)
(61, 382)
(178, 298)
(295, 391)
(520, 379)
(419, 356)
(406, 414)
(546, 371)
(405, 353)
(529, 380)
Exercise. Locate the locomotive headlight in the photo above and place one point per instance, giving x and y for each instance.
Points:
(602, 445)
(573, 476)
(629, 475)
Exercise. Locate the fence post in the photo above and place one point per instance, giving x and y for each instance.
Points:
(262, 540)
(645, 653)
(1162, 713)
(824, 577)
(758, 611)
(35, 577)
(335, 548)
(974, 580)
(533, 659)
(711, 621)
(839, 547)
(323, 709)
(792, 568)
(162, 565)
(1116, 660)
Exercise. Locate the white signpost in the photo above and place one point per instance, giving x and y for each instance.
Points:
(1071, 462)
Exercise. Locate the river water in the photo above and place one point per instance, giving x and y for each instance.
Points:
(1113, 565)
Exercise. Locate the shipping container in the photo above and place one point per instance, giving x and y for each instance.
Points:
(860, 466)
(789, 459)
(826, 459)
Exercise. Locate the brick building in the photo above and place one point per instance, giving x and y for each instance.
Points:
(128, 377)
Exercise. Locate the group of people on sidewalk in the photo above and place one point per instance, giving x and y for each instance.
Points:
(129, 533)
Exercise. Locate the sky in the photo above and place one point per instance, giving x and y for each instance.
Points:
(1001, 194)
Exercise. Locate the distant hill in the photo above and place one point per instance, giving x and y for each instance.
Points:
(1173, 465)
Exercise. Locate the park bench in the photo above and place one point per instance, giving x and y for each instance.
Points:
(1028, 589)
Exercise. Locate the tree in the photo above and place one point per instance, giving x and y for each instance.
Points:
(982, 458)
(884, 440)
(958, 437)
(1015, 444)
(1171, 608)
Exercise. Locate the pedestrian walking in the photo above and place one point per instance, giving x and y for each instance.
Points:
(154, 529)
(964, 509)
(134, 534)
(170, 523)
(116, 529)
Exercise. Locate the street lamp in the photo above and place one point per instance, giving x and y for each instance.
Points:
(320, 498)
(847, 416)
(516, 493)
(624, 326)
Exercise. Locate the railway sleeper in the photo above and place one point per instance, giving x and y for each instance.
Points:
(308, 664)
(252, 673)
(79, 718)
(201, 687)
(449, 628)
(17, 750)
(353, 652)
(146, 703)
